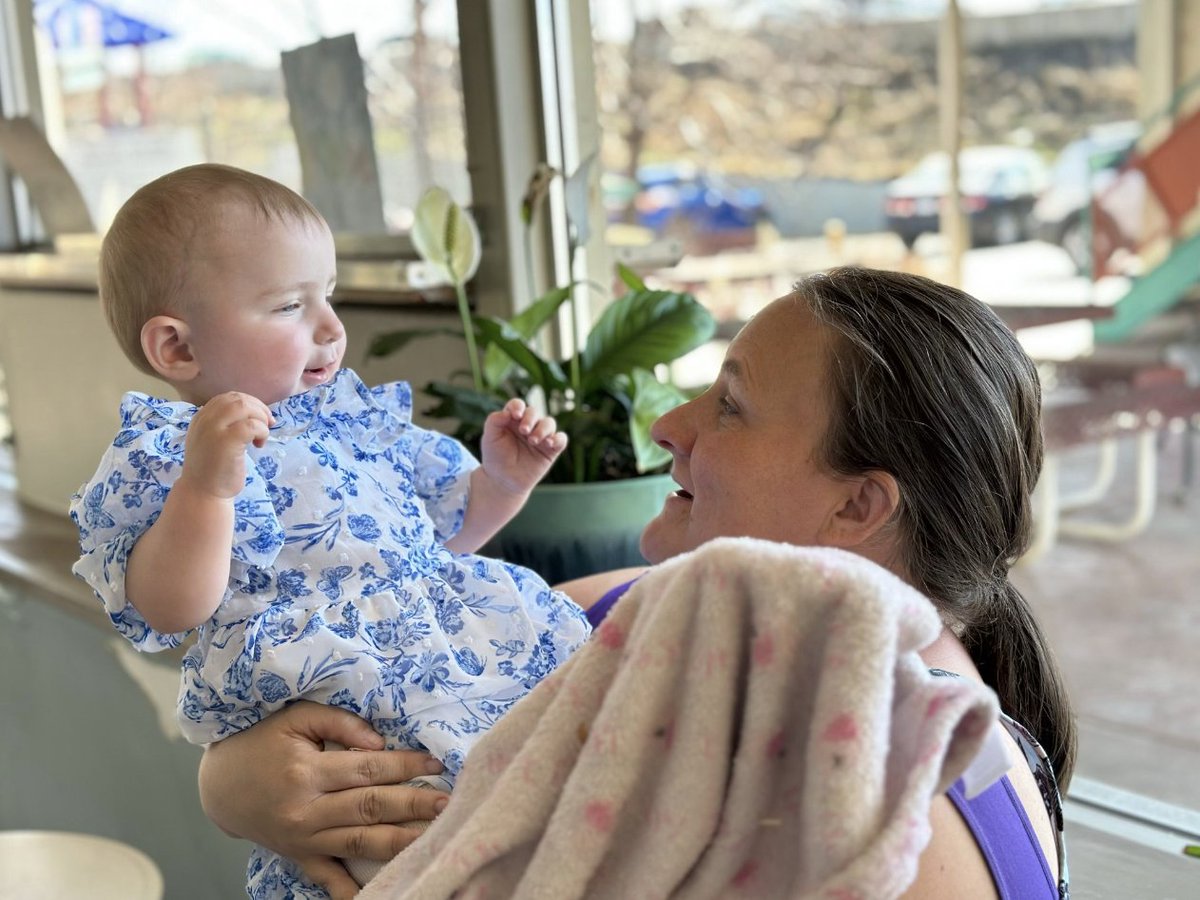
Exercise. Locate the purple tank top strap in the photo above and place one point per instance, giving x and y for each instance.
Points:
(1008, 842)
(601, 608)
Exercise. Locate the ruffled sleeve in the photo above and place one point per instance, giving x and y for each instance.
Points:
(441, 465)
(125, 497)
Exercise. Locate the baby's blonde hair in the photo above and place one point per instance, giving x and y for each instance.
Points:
(144, 259)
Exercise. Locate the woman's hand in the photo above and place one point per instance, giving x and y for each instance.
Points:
(274, 784)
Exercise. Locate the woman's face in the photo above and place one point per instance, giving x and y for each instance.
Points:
(746, 451)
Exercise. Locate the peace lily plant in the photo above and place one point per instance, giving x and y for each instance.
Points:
(606, 396)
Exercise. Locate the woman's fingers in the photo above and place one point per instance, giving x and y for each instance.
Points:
(274, 785)
(341, 770)
(322, 724)
(380, 842)
(331, 875)
(393, 804)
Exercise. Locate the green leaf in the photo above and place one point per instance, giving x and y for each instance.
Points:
(390, 342)
(642, 330)
(465, 404)
(632, 280)
(529, 320)
(496, 363)
(499, 334)
(651, 398)
(446, 236)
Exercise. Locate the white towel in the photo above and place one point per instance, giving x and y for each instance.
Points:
(751, 720)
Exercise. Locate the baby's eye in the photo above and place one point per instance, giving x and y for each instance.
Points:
(289, 307)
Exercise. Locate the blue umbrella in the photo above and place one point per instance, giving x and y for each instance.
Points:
(88, 23)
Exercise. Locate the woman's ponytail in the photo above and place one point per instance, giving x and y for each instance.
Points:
(1011, 653)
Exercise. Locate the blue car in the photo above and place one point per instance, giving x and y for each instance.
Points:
(679, 200)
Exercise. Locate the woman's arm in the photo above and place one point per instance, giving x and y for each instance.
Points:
(274, 785)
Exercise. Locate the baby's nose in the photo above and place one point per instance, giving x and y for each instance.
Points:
(331, 330)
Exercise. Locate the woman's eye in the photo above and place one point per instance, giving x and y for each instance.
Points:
(726, 406)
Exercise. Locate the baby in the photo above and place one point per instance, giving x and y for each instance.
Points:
(317, 541)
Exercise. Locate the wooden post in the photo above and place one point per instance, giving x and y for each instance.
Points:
(950, 106)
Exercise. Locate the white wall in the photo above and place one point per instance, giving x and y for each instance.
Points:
(65, 377)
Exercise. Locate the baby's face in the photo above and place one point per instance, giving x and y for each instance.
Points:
(259, 316)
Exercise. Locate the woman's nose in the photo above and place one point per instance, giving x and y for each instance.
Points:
(670, 429)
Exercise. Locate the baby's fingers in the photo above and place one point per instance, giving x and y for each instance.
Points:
(517, 410)
(250, 430)
(543, 430)
(239, 416)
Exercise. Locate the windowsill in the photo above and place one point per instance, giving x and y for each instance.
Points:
(387, 283)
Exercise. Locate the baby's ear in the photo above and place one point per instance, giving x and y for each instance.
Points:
(165, 343)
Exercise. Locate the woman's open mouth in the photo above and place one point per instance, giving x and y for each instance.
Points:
(682, 494)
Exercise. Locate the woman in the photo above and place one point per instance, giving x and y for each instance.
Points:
(878, 412)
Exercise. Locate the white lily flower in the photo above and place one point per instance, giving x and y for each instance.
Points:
(446, 236)
(577, 193)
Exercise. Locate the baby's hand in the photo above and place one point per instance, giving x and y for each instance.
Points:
(215, 451)
(519, 446)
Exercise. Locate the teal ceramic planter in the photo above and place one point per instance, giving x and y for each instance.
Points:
(569, 530)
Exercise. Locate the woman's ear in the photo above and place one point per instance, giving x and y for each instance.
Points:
(165, 343)
(870, 502)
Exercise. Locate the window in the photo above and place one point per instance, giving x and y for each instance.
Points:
(134, 89)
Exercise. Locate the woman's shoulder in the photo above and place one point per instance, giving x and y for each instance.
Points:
(951, 866)
(589, 589)
(1008, 832)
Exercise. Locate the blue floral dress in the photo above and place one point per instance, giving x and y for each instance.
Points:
(341, 590)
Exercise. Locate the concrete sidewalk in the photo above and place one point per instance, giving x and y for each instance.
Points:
(1124, 619)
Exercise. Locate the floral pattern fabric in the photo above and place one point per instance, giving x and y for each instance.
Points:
(341, 590)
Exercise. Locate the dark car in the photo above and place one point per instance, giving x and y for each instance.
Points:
(680, 200)
(998, 184)
(1082, 169)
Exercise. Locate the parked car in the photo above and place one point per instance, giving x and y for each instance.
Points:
(1082, 169)
(678, 199)
(998, 185)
